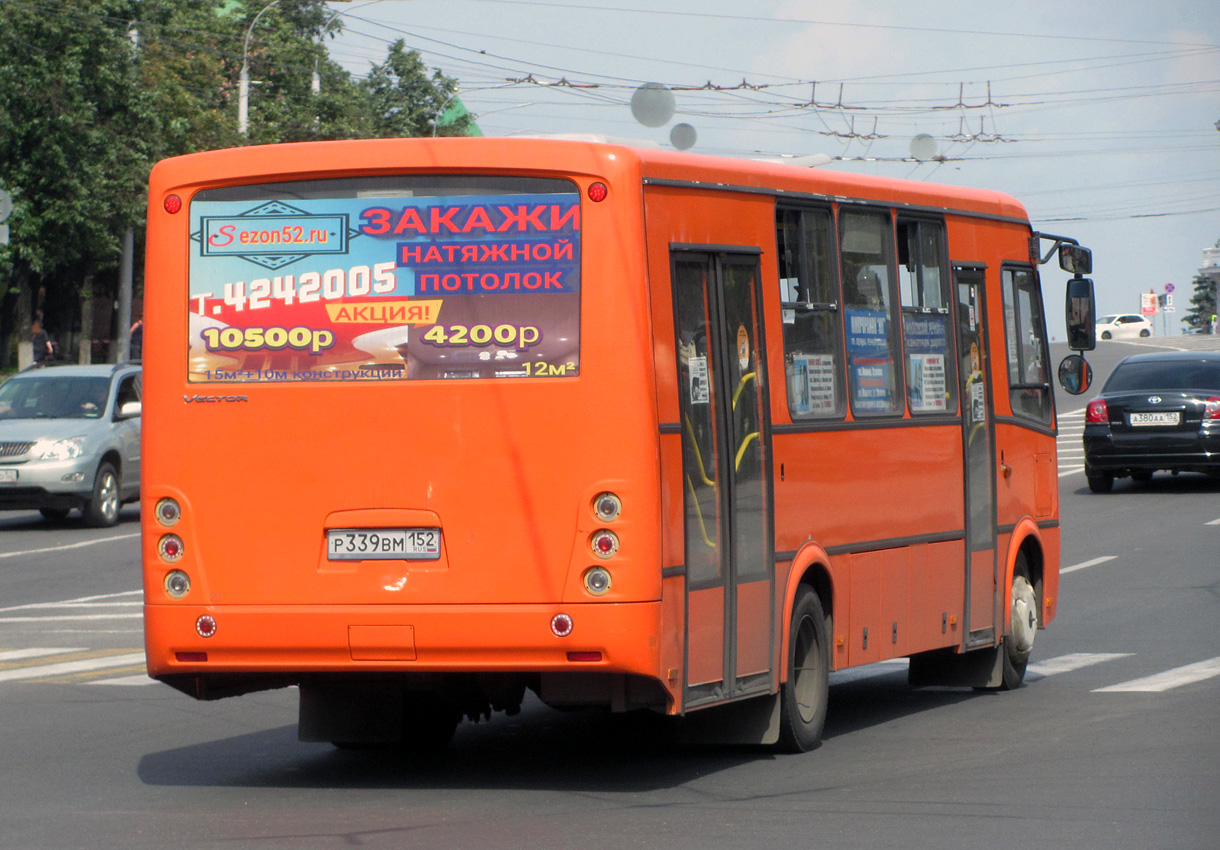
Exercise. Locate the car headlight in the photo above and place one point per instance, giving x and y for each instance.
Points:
(65, 449)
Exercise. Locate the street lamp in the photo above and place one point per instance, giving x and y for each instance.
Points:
(243, 90)
(315, 84)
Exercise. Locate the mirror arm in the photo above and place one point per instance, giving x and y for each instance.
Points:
(1035, 243)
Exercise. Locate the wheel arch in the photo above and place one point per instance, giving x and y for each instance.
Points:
(1026, 540)
(810, 566)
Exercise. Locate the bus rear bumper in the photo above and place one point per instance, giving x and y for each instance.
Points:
(604, 638)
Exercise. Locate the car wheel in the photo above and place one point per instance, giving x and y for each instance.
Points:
(804, 696)
(102, 509)
(1100, 482)
(1023, 626)
(54, 513)
(1145, 332)
(1105, 334)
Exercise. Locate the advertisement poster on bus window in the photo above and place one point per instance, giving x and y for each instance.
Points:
(868, 355)
(811, 390)
(926, 345)
(376, 289)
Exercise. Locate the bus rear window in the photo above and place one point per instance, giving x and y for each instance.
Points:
(385, 278)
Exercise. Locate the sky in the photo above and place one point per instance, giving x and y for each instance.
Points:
(1100, 117)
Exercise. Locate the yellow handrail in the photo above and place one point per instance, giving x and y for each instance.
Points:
(699, 510)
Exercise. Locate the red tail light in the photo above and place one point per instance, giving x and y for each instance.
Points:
(1213, 408)
(1097, 412)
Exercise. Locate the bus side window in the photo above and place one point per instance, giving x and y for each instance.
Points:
(813, 359)
(927, 334)
(1029, 387)
(866, 248)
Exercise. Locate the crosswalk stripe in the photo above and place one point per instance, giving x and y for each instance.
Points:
(1175, 678)
(1071, 470)
(1068, 663)
(64, 667)
(35, 652)
(868, 671)
(126, 681)
(1086, 564)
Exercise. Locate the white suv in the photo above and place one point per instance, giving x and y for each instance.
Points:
(70, 438)
(1124, 326)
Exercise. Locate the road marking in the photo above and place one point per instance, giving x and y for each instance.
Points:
(1071, 471)
(35, 652)
(1070, 662)
(69, 546)
(1087, 564)
(127, 681)
(1213, 522)
(1175, 678)
(80, 600)
(106, 600)
(43, 671)
(868, 671)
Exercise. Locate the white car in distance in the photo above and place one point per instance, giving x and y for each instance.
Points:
(1124, 326)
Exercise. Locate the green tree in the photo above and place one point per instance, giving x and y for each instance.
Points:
(404, 101)
(94, 92)
(1202, 304)
(71, 150)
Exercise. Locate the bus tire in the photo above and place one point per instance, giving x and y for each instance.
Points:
(102, 509)
(804, 696)
(428, 724)
(1023, 626)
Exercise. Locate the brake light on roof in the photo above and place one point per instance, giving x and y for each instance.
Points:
(1097, 412)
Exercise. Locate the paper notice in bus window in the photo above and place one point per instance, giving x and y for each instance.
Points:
(700, 392)
(376, 289)
(811, 386)
(927, 383)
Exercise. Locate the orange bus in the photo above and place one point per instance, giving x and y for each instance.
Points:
(430, 423)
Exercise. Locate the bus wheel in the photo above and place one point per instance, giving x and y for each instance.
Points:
(428, 724)
(1023, 626)
(804, 696)
(103, 508)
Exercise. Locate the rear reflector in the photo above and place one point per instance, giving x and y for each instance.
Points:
(189, 657)
(584, 656)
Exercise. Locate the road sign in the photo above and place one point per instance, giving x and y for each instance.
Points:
(1169, 287)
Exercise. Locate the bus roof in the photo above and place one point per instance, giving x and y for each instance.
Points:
(309, 160)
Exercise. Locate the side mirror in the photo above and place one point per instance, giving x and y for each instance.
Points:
(1080, 315)
(1075, 259)
(1075, 374)
(130, 410)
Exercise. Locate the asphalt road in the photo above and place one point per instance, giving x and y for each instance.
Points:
(1113, 742)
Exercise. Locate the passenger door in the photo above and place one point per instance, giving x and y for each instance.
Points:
(726, 465)
(978, 447)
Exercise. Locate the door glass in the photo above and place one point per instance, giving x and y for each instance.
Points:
(698, 393)
(745, 451)
(980, 513)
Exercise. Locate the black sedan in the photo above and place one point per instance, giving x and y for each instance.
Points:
(1156, 411)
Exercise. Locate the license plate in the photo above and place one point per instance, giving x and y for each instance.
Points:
(8, 476)
(1138, 419)
(383, 544)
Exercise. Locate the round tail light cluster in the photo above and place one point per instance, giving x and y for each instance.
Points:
(561, 625)
(168, 512)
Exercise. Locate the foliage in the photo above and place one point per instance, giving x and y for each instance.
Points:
(94, 92)
(1202, 304)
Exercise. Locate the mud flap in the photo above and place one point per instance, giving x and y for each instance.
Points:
(750, 721)
(979, 668)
